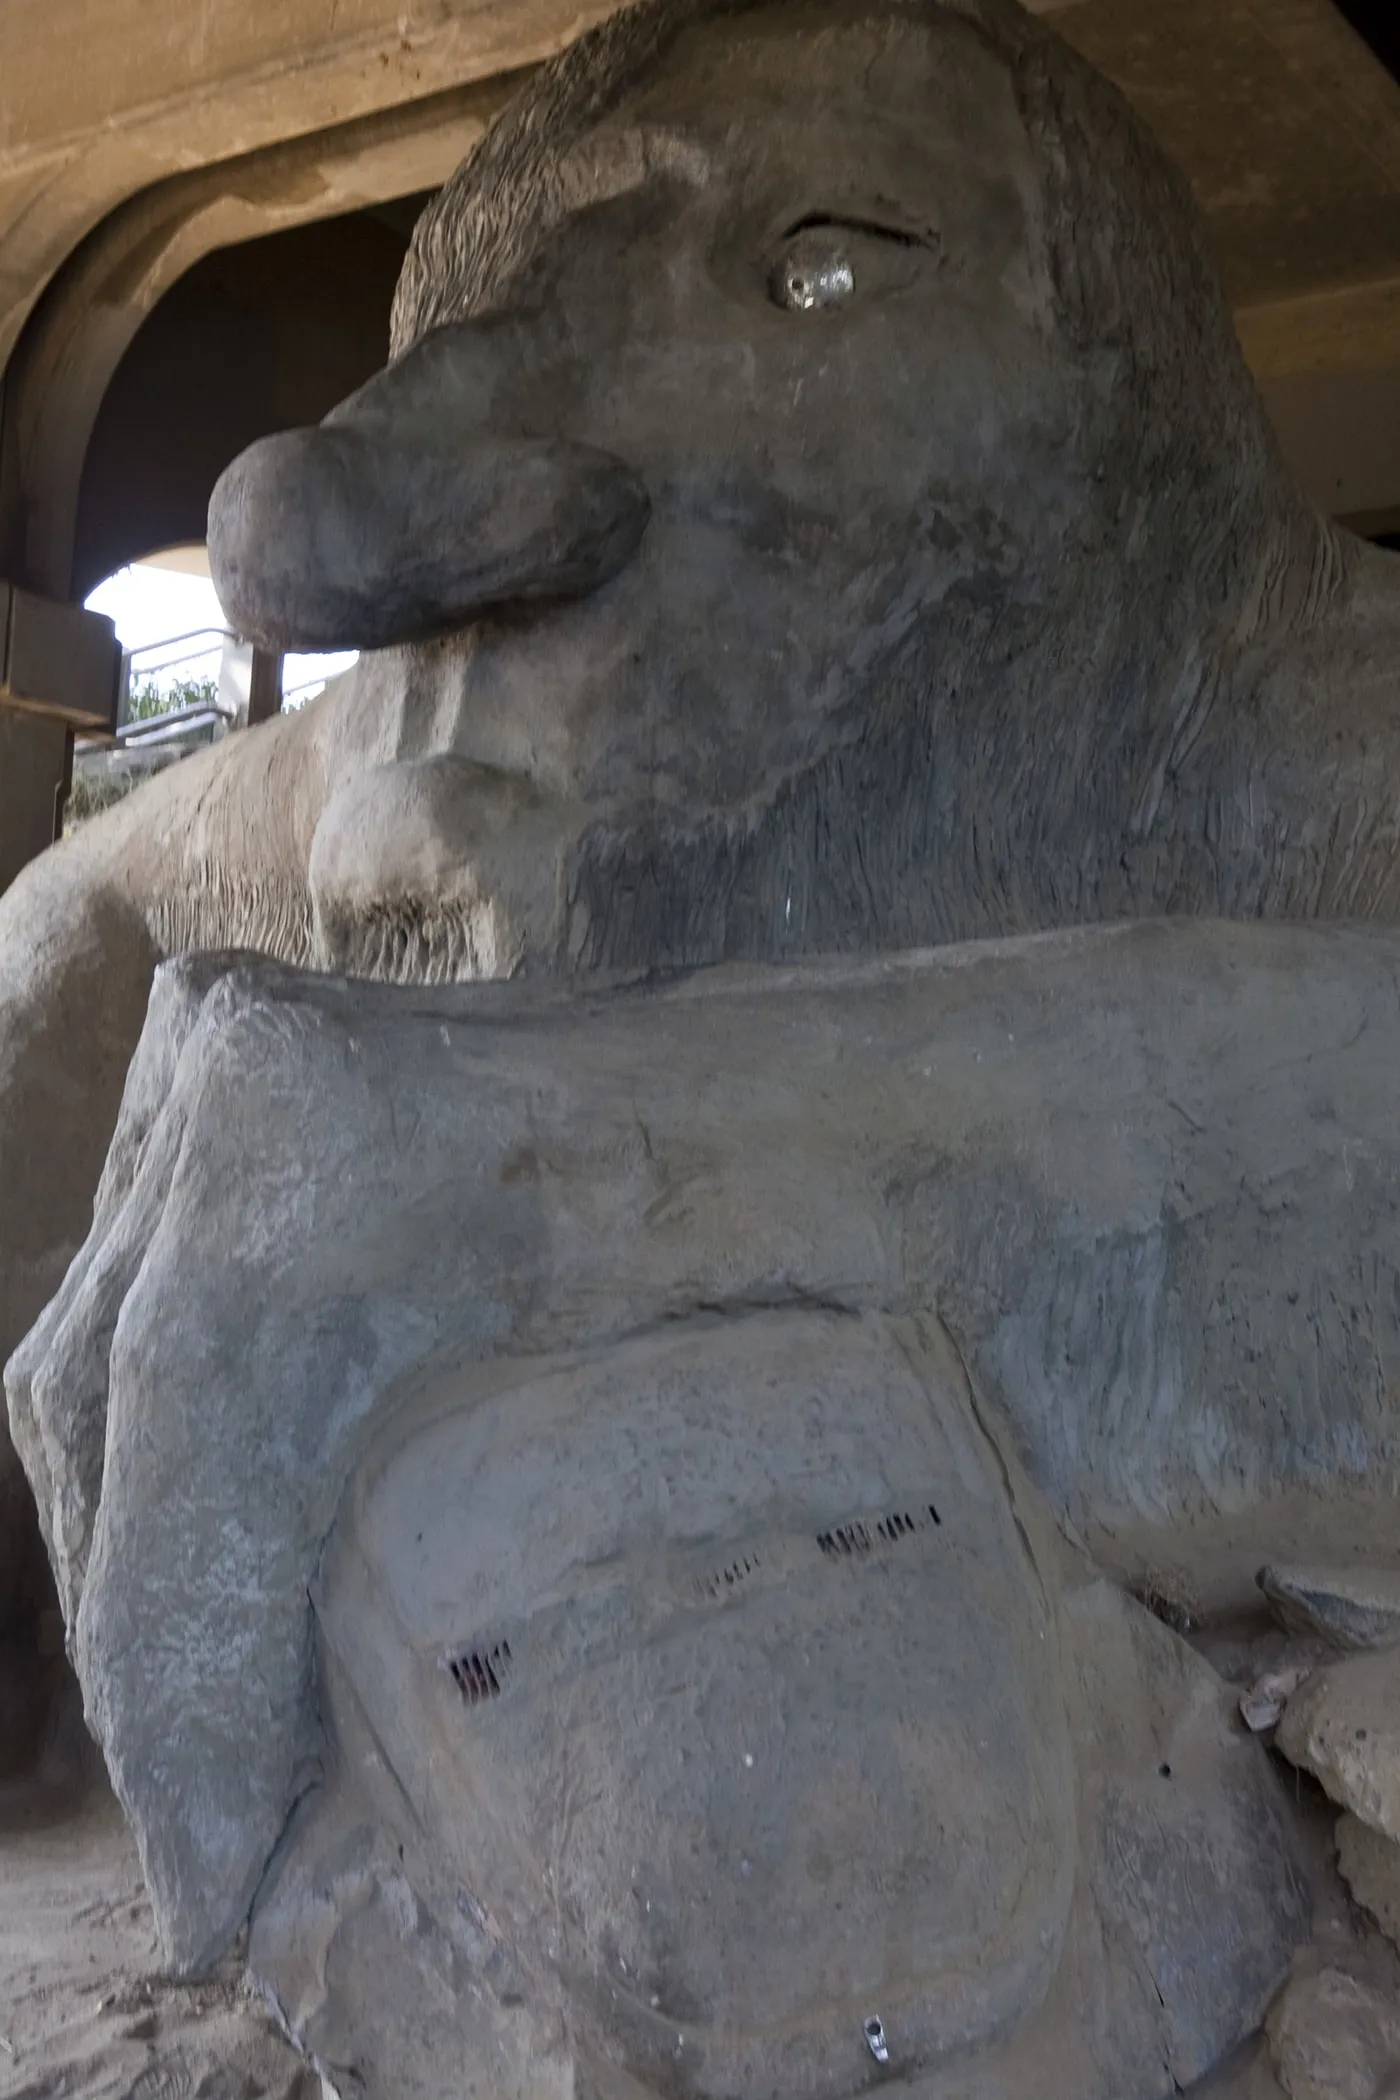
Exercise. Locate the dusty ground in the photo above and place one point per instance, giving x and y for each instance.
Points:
(84, 2011)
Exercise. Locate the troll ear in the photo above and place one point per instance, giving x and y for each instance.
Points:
(356, 535)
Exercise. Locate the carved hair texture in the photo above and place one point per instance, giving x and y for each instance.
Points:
(1126, 254)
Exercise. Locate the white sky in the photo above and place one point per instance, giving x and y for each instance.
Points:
(153, 605)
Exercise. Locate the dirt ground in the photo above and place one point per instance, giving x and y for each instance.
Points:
(84, 2011)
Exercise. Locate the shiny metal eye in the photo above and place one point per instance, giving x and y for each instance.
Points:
(812, 272)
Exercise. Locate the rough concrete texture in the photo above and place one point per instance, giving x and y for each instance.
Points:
(1251, 2076)
(376, 1989)
(1126, 1275)
(1337, 2037)
(60, 1441)
(971, 599)
(786, 1747)
(1350, 1608)
(369, 1981)
(74, 1000)
(1343, 1725)
(976, 601)
(1370, 1865)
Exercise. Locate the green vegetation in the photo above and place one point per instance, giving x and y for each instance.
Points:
(102, 776)
(148, 700)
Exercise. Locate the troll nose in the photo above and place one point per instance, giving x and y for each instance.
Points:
(404, 515)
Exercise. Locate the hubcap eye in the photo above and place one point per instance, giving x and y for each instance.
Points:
(813, 271)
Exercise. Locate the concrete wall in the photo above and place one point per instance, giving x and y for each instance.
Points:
(32, 754)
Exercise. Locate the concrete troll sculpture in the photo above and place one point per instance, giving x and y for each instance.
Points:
(641, 1533)
(817, 502)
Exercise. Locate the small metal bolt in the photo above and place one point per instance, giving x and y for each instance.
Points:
(875, 2040)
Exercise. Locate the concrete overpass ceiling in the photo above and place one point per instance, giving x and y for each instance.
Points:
(143, 93)
(1289, 138)
(77, 334)
(1284, 117)
(1377, 22)
(256, 337)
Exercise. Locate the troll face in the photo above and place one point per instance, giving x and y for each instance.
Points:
(760, 366)
(767, 385)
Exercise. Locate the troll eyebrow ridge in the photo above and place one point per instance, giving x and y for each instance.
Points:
(846, 222)
(609, 163)
(522, 207)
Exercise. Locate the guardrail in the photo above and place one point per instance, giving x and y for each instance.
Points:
(229, 663)
(214, 651)
(222, 636)
(161, 729)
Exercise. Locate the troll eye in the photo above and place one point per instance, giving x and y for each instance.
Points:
(813, 270)
(817, 261)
